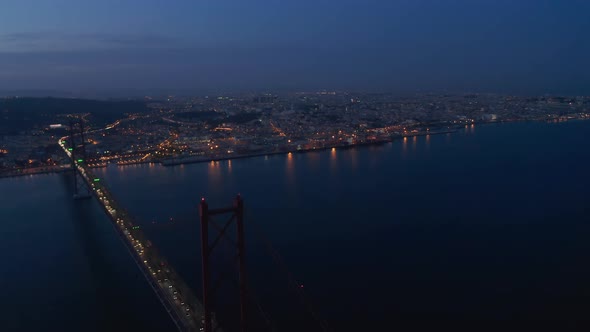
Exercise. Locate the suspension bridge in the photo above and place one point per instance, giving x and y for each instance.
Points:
(183, 307)
(180, 303)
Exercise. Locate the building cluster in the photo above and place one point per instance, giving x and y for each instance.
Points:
(187, 129)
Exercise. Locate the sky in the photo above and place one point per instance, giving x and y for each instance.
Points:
(398, 46)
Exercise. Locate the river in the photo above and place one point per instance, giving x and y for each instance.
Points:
(483, 228)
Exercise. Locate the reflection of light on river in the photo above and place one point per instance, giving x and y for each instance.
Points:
(333, 159)
(405, 146)
(214, 175)
(290, 169)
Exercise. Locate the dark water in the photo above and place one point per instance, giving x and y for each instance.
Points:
(485, 229)
(63, 268)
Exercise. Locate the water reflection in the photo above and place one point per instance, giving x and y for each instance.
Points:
(214, 173)
(405, 146)
(152, 169)
(290, 169)
(333, 160)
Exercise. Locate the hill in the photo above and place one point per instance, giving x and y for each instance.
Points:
(18, 114)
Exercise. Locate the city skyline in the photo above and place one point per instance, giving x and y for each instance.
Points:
(397, 47)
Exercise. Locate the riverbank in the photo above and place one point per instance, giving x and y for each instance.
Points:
(203, 159)
(35, 171)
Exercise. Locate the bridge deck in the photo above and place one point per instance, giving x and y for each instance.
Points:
(176, 297)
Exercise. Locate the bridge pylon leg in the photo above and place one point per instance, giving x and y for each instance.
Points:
(78, 155)
(236, 212)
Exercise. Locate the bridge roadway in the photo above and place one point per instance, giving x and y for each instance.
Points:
(176, 297)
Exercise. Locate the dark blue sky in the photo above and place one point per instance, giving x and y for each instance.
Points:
(505, 46)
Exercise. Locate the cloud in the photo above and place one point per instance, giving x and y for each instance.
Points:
(59, 41)
(20, 37)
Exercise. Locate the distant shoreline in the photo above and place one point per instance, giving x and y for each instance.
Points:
(33, 171)
(199, 159)
(172, 162)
